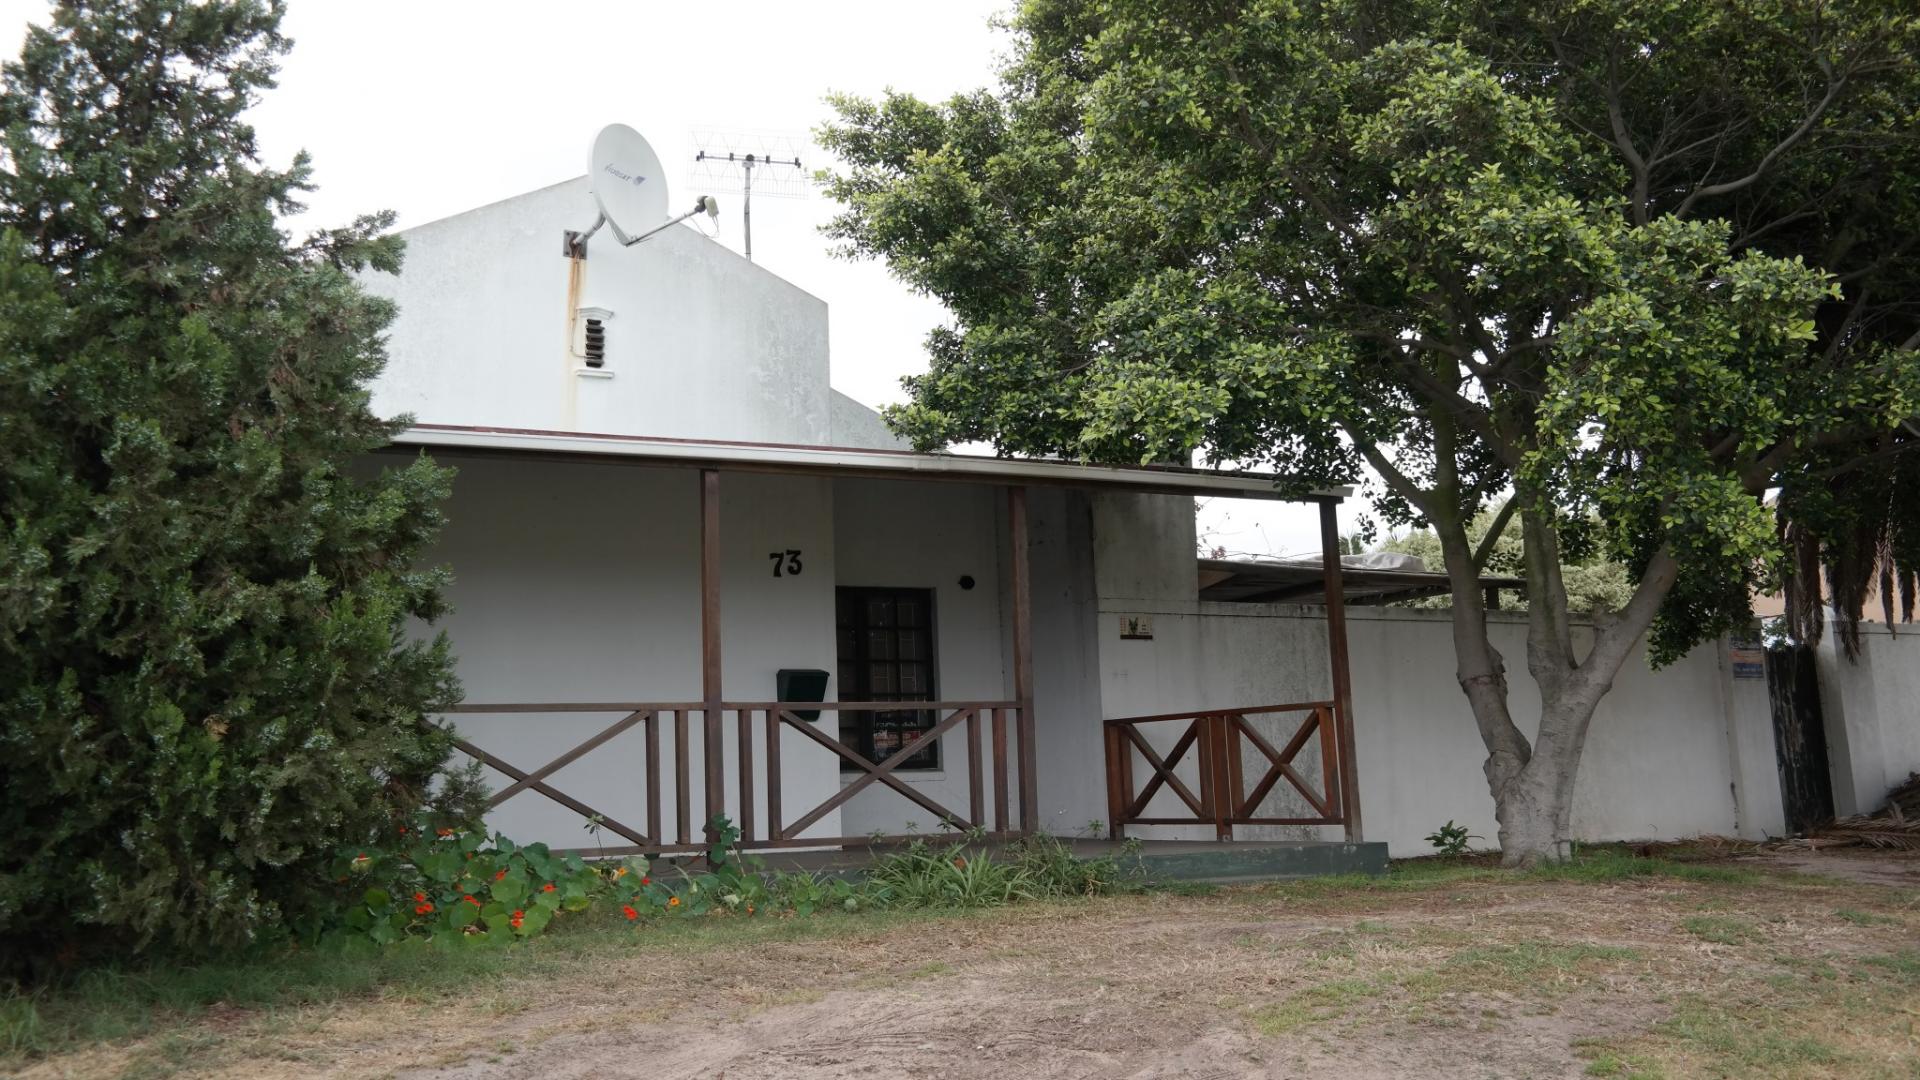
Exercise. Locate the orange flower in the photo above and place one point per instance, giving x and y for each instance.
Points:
(548, 887)
(501, 874)
(423, 909)
(419, 897)
(403, 830)
(631, 914)
(446, 832)
(468, 897)
(673, 901)
(646, 881)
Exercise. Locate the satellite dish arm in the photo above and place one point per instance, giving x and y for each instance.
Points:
(576, 242)
(705, 205)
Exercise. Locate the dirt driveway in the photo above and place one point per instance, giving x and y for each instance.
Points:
(1719, 971)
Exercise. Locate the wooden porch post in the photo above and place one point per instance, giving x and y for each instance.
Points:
(711, 749)
(1337, 655)
(1023, 657)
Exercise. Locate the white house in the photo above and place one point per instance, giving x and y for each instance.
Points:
(662, 505)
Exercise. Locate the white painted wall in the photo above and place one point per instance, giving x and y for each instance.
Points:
(1871, 709)
(1670, 752)
(701, 343)
(853, 424)
(900, 534)
(1657, 763)
(580, 582)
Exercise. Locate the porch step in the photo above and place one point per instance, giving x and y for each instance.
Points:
(1240, 862)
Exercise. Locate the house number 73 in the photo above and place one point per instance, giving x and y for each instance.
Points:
(787, 561)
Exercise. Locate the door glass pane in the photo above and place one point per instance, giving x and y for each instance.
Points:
(885, 643)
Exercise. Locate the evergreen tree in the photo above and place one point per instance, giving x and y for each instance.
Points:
(206, 682)
(1636, 264)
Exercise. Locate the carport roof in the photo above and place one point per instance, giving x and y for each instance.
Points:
(1303, 582)
(851, 461)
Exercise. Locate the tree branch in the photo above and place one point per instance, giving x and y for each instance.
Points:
(1834, 86)
(1485, 551)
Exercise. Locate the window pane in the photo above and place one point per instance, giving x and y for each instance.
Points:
(909, 611)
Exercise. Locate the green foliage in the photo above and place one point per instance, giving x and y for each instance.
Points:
(453, 886)
(1451, 839)
(1308, 235)
(1632, 265)
(204, 590)
(1592, 584)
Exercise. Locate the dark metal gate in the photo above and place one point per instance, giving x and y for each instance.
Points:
(1799, 737)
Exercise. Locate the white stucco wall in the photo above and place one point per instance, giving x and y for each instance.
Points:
(853, 424)
(1669, 754)
(701, 343)
(900, 534)
(580, 582)
(1871, 709)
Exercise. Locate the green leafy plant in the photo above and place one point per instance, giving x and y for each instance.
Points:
(1451, 839)
(922, 875)
(453, 885)
(1602, 269)
(206, 596)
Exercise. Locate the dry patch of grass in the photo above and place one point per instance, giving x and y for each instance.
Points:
(1623, 967)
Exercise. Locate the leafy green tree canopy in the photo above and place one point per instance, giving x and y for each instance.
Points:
(205, 684)
(1593, 586)
(1637, 262)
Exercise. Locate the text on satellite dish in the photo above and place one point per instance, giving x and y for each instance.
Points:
(636, 181)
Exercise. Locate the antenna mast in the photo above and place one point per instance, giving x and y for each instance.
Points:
(730, 160)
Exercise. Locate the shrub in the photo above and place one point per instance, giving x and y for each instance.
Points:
(1451, 839)
(445, 883)
(205, 684)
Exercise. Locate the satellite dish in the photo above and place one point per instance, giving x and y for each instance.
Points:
(627, 181)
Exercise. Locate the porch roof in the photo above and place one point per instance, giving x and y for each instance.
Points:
(853, 461)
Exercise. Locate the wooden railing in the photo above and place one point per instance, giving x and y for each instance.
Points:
(1217, 739)
(753, 795)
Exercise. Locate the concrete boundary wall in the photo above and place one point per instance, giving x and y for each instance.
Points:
(1871, 708)
(1678, 752)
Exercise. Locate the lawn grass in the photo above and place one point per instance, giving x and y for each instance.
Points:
(111, 1004)
(1700, 969)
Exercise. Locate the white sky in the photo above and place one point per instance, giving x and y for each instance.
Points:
(432, 107)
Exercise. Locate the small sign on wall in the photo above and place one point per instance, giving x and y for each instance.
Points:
(1748, 662)
(1136, 628)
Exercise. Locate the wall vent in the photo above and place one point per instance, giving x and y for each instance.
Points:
(595, 352)
(590, 336)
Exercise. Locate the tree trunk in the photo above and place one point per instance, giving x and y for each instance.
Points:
(1535, 809)
(1533, 784)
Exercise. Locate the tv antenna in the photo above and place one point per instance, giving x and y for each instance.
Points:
(728, 160)
(630, 188)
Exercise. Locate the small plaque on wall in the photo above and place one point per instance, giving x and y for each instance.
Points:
(1136, 628)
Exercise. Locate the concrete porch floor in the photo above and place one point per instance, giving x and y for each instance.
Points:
(1160, 860)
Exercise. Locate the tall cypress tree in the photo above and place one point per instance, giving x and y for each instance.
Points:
(206, 681)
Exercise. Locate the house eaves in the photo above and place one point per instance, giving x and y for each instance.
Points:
(849, 461)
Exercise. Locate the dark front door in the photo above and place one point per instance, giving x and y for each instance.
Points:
(885, 644)
(1799, 737)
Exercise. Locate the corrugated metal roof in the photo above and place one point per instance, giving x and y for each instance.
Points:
(1247, 582)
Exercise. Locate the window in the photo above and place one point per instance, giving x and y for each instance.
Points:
(885, 646)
